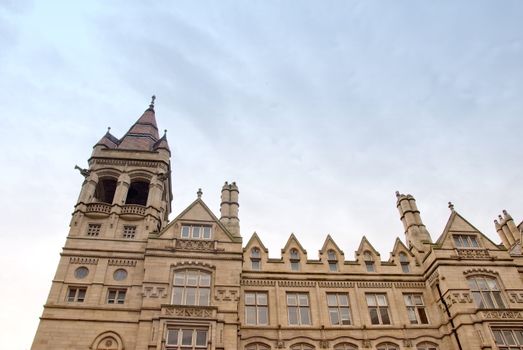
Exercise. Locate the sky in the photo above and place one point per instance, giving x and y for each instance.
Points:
(319, 110)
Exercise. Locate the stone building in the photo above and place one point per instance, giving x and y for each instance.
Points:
(128, 278)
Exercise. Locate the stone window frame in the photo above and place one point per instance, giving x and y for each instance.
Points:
(116, 296)
(257, 346)
(302, 346)
(301, 309)
(501, 337)
(387, 346)
(187, 231)
(198, 287)
(404, 262)
(368, 259)
(332, 260)
(294, 258)
(255, 256)
(419, 311)
(257, 307)
(345, 346)
(78, 296)
(93, 229)
(482, 296)
(129, 231)
(466, 240)
(427, 345)
(179, 328)
(379, 309)
(337, 308)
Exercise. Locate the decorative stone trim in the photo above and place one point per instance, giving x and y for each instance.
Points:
(473, 254)
(258, 283)
(434, 277)
(195, 244)
(83, 261)
(121, 262)
(128, 162)
(154, 292)
(207, 312)
(335, 284)
(296, 283)
(324, 344)
(458, 297)
(409, 284)
(227, 294)
(479, 271)
(192, 263)
(515, 297)
(501, 315)
(374, 284)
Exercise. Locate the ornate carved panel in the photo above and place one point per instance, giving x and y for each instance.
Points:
(473, 253)
(515, 297)
(194, 244)
(501, 315)
(296, 283)
(154, 292)
(336, 284)
(206, 312)
(458, 297)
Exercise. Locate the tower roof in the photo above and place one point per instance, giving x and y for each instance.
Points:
(142, 136)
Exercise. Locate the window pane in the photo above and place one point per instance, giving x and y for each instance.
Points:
(370, 266)
(374, 316)
(295, 266)
(177, 295)
(405, 268)
(192, 278)
(371, 300)
(255, 264)
(172, 337)
(201, 338)
(498, 337)
(204, 297)
(499, 301)
(179, 278)
(305, 315)
(488, 300)
(303, 299)
(334, 316)
(478, 300)
(185, 231)
(261, 298)
(291, 299)
(333, 267)
(482, 284)
(190, 296)
(423, 316)
(384, 315)
(474, 241)
(205, 279)
(457, 241)
(206, 232)
(250, 298)
(250, 314)
(196, 232)
(263, 315)
(408, 300)
(332, 300)
(412, 315)
(492, 285)
(81, 294)
(382, 301)
(344, 316)
(343, 299)
(509, 338)
(293, 315)
(187, 336)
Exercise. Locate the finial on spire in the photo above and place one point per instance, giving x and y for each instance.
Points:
(199, 193)
(451, 206)
(153, 97)
(397, 194)
(108, 129)
(164, 132)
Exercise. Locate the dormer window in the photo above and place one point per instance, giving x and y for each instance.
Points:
(196, 232)
(404, 262)
(465, 241)
(295, 259)
(255, 258)
(369, 262)
(332, 260)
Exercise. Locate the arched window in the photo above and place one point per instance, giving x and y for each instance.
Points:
(404, 261)
(387, 346)
(255, 258)
(257, 346)
(138, 193)
(105, 189)
(332, 260)
(295, 259)
(191, 287)
(345, 346)
(369, 261)
(302, 346)
(486, 292)
(426, 346)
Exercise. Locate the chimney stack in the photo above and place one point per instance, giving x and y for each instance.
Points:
(507, 230)
(229, 208)
(415, 230)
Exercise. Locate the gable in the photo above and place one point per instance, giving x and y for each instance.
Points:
(458, 225)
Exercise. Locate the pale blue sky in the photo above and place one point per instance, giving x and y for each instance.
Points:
(320, 110)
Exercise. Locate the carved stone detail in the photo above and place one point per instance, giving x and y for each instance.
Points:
(366, 343)
(83, 261)
(458, 297)
(121, 262)
(296, 283)
(479, 270)
(154, 292)
(473, 253)
(434, 277)
(335, 284)
(515, 297)
(189, 311)
(370, 284)
(194, 244)
(501, 315)
(129, 162)
(407, 343)
(258, 283)
(409, 284)
(227, 294)
(324, 344)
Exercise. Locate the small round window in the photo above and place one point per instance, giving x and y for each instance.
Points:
(81, 272)
(120, 275)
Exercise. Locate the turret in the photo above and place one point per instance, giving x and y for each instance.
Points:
(229, 208)
(415, 231)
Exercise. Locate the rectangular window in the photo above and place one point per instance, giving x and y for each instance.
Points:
(76, 294)
(416, 308)
(508, 339)
(94, 230)
(466, 241)
(333, 266)
(196, 232)
(129, 232)
(191, 287)
(183, 338)
(339, 311)
(378, 308)
(116, 296)
(256, 308)
(298, 308)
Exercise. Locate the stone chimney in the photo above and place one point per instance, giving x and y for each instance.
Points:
(229, 208)
(507, 230)
(415, 230)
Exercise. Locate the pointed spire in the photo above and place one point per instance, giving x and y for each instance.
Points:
(143, 135)
(162, 143)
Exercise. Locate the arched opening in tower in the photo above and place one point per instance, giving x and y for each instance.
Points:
(105, 190)
(138, 193)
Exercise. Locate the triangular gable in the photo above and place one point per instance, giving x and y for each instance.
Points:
(399, 246)
(255, 240)
(365, 245)
(329, 242)
(458, 224)
(292, 238)
(198, 210)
